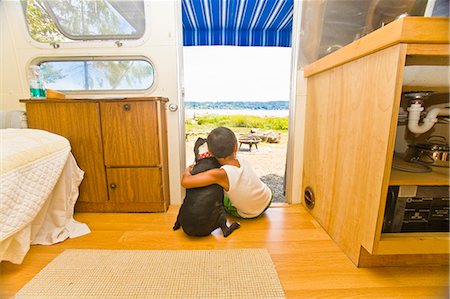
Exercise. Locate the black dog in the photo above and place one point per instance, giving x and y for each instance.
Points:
(202, 210)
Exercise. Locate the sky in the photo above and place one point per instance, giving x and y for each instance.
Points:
(225, 73)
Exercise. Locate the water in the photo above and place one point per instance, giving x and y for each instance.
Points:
(189, 113)
(36, 90)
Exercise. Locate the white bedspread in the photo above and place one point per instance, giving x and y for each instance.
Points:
(39, 182)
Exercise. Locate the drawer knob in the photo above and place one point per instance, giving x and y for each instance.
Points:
(127, 107)
(113, 186)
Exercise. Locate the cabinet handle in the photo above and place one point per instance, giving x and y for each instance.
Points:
(113, 186)
(309, 198)
(127, 107)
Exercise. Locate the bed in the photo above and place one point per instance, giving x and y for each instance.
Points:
(39, 181)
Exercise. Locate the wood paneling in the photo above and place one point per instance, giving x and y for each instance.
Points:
(348, 121)
(79, 122)
(433, 50)
(308, 262)
(132, 136)
(438, 177)
(395, 260)
(413, 243)
(135, 189)
(130, 133)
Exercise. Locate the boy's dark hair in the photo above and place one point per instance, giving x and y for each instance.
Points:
(221, 142)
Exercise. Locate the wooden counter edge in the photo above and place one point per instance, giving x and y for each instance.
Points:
(85, 100)
(415, 30)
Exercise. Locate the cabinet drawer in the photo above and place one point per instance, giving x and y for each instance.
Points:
(135, 189)
(130, 133)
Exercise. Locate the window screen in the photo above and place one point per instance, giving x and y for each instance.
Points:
(97, 75)
(72, 20)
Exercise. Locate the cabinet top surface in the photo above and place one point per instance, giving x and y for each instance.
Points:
(84, 100)
(409, 30)
(440, 176)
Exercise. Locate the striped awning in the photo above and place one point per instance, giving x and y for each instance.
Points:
(237, 22)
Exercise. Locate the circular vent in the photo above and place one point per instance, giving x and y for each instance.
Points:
(310, 200)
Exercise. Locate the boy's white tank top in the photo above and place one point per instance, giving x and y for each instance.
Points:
(249, 195)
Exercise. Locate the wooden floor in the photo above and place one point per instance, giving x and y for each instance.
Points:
(309, 263)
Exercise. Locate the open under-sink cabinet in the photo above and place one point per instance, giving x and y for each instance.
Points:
(353, 101)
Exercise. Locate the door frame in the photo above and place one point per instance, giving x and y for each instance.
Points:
(294, 153)
(181, 93)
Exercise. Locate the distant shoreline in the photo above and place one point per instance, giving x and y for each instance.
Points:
(190, 113)
(259, 108)
(238, 105)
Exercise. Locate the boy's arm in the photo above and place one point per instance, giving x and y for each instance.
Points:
(209, 177)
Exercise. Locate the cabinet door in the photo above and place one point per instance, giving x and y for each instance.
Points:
(351, 113)
(130, 133)
(79, 122)
(135, 190)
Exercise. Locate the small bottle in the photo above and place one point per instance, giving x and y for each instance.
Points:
(37, 90)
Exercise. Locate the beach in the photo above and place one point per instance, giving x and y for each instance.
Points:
(191, 113)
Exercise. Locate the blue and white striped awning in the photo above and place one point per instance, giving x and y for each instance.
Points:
(237, 22)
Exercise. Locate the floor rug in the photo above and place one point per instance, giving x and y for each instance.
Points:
(234, 273)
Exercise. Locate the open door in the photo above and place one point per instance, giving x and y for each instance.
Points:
(279, 17)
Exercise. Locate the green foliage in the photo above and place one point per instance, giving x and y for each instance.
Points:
(80, 17)
(117, 71)
(240, 121)
(86, 17)
(41, 26)
(50, 74)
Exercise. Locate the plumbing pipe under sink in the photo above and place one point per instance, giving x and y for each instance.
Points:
(428, 122)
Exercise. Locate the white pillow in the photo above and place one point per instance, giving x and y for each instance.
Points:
(13, 119)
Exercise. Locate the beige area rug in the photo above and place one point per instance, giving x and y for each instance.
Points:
(236, 273)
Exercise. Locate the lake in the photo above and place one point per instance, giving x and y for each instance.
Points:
(270, 113)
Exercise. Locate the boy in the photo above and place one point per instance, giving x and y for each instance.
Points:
(245, 195)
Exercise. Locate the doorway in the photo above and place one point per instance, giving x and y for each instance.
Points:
(245, 89)
(233, 32)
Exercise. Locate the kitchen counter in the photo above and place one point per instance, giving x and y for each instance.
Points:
(353, 102)
(411, 30)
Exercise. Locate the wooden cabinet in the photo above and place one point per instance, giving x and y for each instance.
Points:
(353, 100)
(121, 145)
(130, 140)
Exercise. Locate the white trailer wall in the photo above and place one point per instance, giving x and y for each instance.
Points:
(160, 45)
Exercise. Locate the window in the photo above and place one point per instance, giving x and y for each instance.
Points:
(80, 20)
(97, 74)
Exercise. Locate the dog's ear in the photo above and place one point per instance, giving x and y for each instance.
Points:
(200, 141)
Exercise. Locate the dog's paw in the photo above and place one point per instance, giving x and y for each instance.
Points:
(176, 226)
(235, 225)
(232, 227)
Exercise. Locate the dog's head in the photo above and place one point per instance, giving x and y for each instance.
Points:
(200, 147)
(203, 163)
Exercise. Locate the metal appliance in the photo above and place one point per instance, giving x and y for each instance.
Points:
(417, 209)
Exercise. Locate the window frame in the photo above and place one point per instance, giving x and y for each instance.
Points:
(77, 94)
(91, 43)
(82, 38)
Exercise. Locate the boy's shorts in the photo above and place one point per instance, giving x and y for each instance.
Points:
(230, 209)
